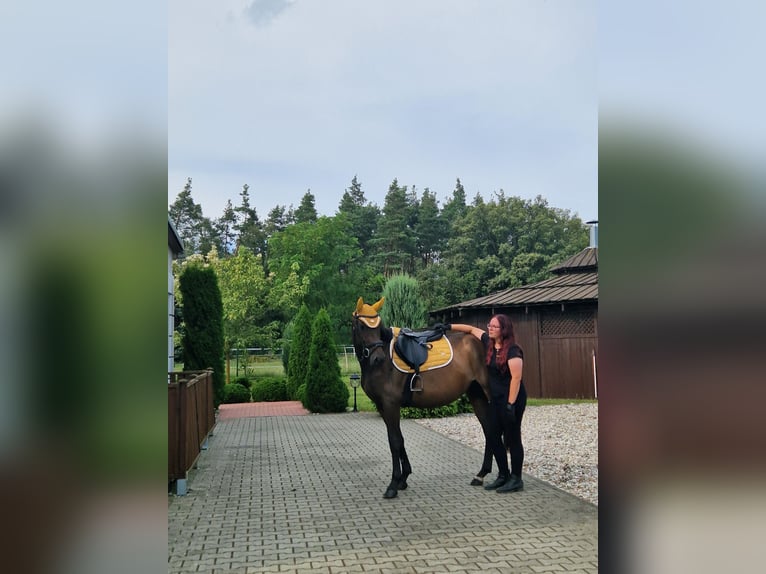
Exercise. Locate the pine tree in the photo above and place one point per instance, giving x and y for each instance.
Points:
(394, 242)
(362, 215)
(325, 390)
(307, 211)
(225, 227)
(430, 230)
(250, 228)
(456, 207)
(193, 228)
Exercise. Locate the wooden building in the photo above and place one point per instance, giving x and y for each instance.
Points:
(556, 323)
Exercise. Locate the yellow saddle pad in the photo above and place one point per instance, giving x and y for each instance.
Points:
(439, 355)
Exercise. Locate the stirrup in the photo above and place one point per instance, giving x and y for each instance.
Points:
(412, 383)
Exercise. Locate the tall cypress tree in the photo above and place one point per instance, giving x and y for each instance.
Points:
(203, 344)
(300, 346)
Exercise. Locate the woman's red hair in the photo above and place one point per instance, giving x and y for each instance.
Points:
(507, 340)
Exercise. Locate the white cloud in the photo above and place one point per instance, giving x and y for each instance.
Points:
(263, 12)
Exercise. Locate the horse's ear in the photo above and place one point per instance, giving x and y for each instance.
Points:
(359, 305)
(379, 304)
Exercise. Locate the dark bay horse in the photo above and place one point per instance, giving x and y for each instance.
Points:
(385, 385)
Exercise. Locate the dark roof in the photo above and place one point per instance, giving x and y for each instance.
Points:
(174, 242)
(576, 280)
(586, 260)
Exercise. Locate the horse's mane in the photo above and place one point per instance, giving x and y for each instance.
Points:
(386, 333)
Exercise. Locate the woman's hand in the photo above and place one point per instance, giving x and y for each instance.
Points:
(510, 413)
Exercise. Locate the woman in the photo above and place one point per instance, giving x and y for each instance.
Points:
(508, 398)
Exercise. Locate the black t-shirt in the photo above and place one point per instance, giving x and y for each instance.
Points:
(500, 382)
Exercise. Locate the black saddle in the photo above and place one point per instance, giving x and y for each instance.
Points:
(412, 347)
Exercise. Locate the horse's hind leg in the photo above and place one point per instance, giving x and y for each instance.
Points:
(481, 410)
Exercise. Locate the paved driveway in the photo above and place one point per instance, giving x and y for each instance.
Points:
(305, 494)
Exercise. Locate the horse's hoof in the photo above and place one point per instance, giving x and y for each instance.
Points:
(402, 486)
(477, 482)
(390, 493)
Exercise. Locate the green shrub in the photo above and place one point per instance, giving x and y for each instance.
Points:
(270, 389)
(449, 410)
(244, 381)
(405, 307)
(464, 405)
(235, 393)
(325, 390)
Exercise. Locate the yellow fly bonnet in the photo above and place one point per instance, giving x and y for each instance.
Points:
(368, 314)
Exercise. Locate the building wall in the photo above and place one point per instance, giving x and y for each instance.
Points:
(558, 345)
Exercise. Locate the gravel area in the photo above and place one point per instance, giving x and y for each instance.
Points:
(560, 444)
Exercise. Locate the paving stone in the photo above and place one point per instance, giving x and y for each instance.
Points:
(304, 494)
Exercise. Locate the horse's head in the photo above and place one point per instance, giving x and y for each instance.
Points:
(370, 336)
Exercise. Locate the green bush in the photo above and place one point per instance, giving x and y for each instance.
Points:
(325, 390)
(405, 307)
(270, 389)
(235, 393)
(244, 381)
(449, 410)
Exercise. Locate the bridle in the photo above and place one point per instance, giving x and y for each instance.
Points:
(367, 350)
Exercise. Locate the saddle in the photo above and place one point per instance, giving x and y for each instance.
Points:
(412, 347)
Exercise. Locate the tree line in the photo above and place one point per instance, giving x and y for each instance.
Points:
(267, 268)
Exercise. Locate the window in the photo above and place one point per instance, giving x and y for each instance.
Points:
(556, 324)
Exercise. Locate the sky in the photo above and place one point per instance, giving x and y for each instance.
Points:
(290, 96)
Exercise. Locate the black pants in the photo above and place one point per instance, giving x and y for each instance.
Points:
(506, 435)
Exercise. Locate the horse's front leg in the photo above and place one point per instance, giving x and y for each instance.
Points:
(406, 468)
(481, 410)
(398, 455)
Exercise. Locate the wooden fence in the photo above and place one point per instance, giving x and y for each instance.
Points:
(191, 417)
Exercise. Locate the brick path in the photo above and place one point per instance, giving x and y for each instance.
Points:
(276, 409)
(305, 494)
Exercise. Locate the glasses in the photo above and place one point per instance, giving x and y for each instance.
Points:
(490, 326)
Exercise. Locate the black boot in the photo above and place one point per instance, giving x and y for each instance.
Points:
(513, 484)
(498, 482)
